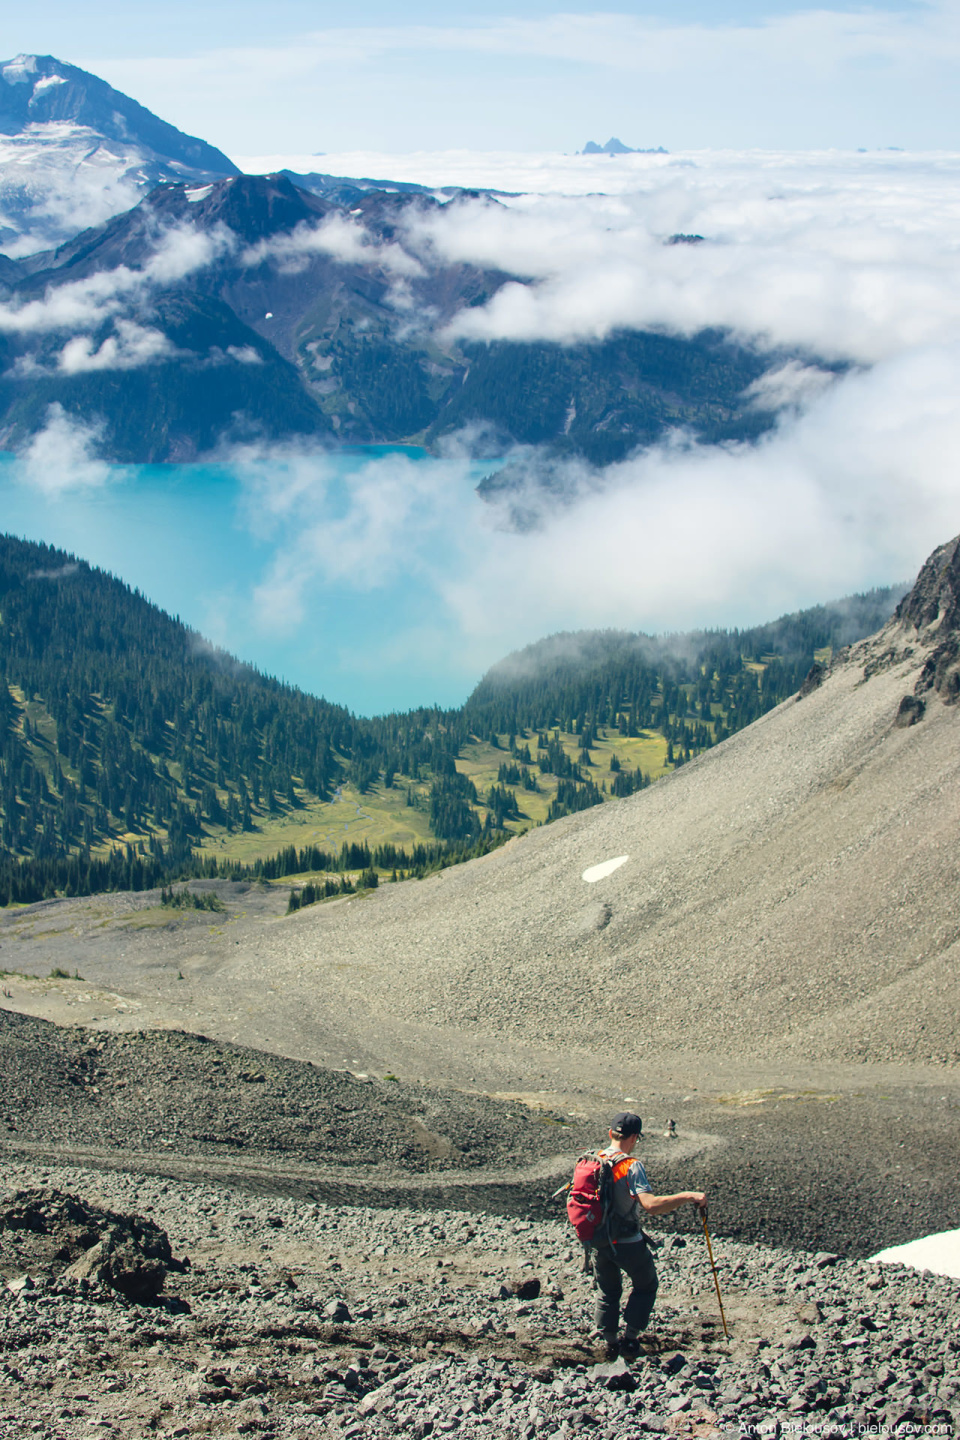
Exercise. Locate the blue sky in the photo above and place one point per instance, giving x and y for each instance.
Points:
(300, 77)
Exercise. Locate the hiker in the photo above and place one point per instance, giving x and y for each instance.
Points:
(629, 1252)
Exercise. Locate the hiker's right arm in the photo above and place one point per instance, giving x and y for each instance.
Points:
(666, 1204)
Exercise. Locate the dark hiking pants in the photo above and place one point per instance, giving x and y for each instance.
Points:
(610, 1265)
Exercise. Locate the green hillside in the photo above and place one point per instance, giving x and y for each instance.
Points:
(133, 753)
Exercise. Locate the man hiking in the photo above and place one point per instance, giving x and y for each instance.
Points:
(624, 1247)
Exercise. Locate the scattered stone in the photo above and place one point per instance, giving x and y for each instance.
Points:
(66, 1235)
(528, 1289)
(614, 1375)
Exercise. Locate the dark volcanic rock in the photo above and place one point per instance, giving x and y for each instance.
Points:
(935, 598)
(119, 1262)
(528, 1289)
(933, 608)
(46, 1229)
(183, 1095)
(813, 679)
(910, 711)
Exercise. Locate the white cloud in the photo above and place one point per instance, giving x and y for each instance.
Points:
(130, 347)
(791, 384)
(245, 354)
(825, 39)
(352, 533)
(62, 456)
(852, 491)
(845, 257)
(84, 304)
(338, 236)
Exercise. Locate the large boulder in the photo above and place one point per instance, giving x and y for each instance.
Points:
(933, 609)
(48, 1229)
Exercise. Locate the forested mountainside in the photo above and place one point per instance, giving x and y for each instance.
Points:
(127, 743)
(724, 678)
(122, 726)
(252, 306)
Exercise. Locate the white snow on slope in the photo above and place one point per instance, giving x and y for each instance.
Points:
(57, 179)
(599, 872)
(19, 69)
(939, 1253)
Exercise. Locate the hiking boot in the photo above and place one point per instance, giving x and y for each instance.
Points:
(630, 1347)
(611, 1346)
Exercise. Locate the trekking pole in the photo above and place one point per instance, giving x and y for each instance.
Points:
(703, 1217)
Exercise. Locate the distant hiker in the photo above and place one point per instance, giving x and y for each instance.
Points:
(671, 1131)
(612, 1231)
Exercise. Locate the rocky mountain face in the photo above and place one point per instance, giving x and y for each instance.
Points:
(173, 305)
(252, 306)
(39, 90)
(73, 151)
(933, 609)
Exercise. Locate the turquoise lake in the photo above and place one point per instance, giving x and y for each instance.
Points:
(327, 570)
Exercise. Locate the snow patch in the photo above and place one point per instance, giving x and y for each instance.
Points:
(19, 69)
(600, 872)
(45, 82)
(939, 1253)
(200, 194)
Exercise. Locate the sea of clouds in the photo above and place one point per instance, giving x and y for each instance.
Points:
(842, 259)
(843, 267)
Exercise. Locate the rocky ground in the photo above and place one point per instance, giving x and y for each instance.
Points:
(347, 1256)
(295, 1319)
(851, 1169)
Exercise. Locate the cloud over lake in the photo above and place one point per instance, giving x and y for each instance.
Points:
(842, 269)
(847, 261)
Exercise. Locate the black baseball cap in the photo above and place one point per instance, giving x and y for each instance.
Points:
(626, 1123)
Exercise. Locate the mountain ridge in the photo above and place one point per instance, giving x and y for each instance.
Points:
(343, 292)
(356, 315)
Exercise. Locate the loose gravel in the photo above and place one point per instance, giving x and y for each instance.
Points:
(296, 1320)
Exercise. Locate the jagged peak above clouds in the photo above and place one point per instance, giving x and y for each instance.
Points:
(40, 89)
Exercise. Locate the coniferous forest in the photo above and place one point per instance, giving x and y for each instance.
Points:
(127, 741)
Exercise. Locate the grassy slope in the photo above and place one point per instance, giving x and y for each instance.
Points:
(481, 762)
(383, 815)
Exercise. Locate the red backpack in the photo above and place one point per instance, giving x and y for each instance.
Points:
(590, 1198)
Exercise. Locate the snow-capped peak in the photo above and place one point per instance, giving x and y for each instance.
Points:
(18, 70)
